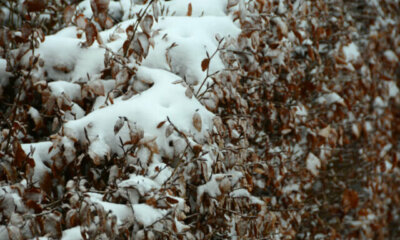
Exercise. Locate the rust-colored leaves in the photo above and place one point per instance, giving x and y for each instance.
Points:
(204, 64)
(349, 200)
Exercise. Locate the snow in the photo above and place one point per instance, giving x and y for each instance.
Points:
(164, 111)
(281, 25)
(34, 113)
(238, 193)
(11, 201)
(194, 37)
(147, 215)
(313, 164)
(72, 234)
(40, 154)
(3, 74)
(384, 150)
(391, 56)
(212, 187)
(71, 62)
(140, 183)
(368, 126)
(351, 52)
(300, 112)
(72, 90)
(164, 98)
(122, 212)
(379, 103)
(76, 112)
(181, 227)
(330, 98)
(99, 149)
(393, 89)
(200, 7)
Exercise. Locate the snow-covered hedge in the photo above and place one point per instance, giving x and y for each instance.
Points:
(200, 119)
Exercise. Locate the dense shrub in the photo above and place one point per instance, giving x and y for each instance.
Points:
(265, 119)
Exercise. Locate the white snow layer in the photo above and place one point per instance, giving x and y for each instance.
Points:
(164, 99)
(313, 164)
(351, 52)
(68, 65)
(331, 98)
(390, 56)
(147, 215)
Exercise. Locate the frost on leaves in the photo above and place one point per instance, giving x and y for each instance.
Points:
(282, 134)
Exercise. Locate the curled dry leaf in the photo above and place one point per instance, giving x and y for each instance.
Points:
(259, 170)
(225, 185)
(189, 93)
(325, 131)
(68, 14)
(33, 205)
(169, 130)
(122, 77)
(172, 200)
(144, 44)
(63, 68)
(152, 146)
(232, 3)
(96, 87)
(99, 6)
(118, 125)
(146, 24)
(204, 171)
(197, 121)
(91, 34)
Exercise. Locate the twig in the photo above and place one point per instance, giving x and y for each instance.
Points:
(208, 67)
(180, 133)
(137, 23)
(234, 212)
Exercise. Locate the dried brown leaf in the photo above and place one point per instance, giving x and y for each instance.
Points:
(189, 11)
(197, 121)
(20, 156)
(91, 34)
(161, 124)
(146, 24)
(172, 200)
(96, 87)
(68, 14)
(204, 64)
(169, 130)
(349, 199)
(189, 93)
(118, 125)
(197, 149)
